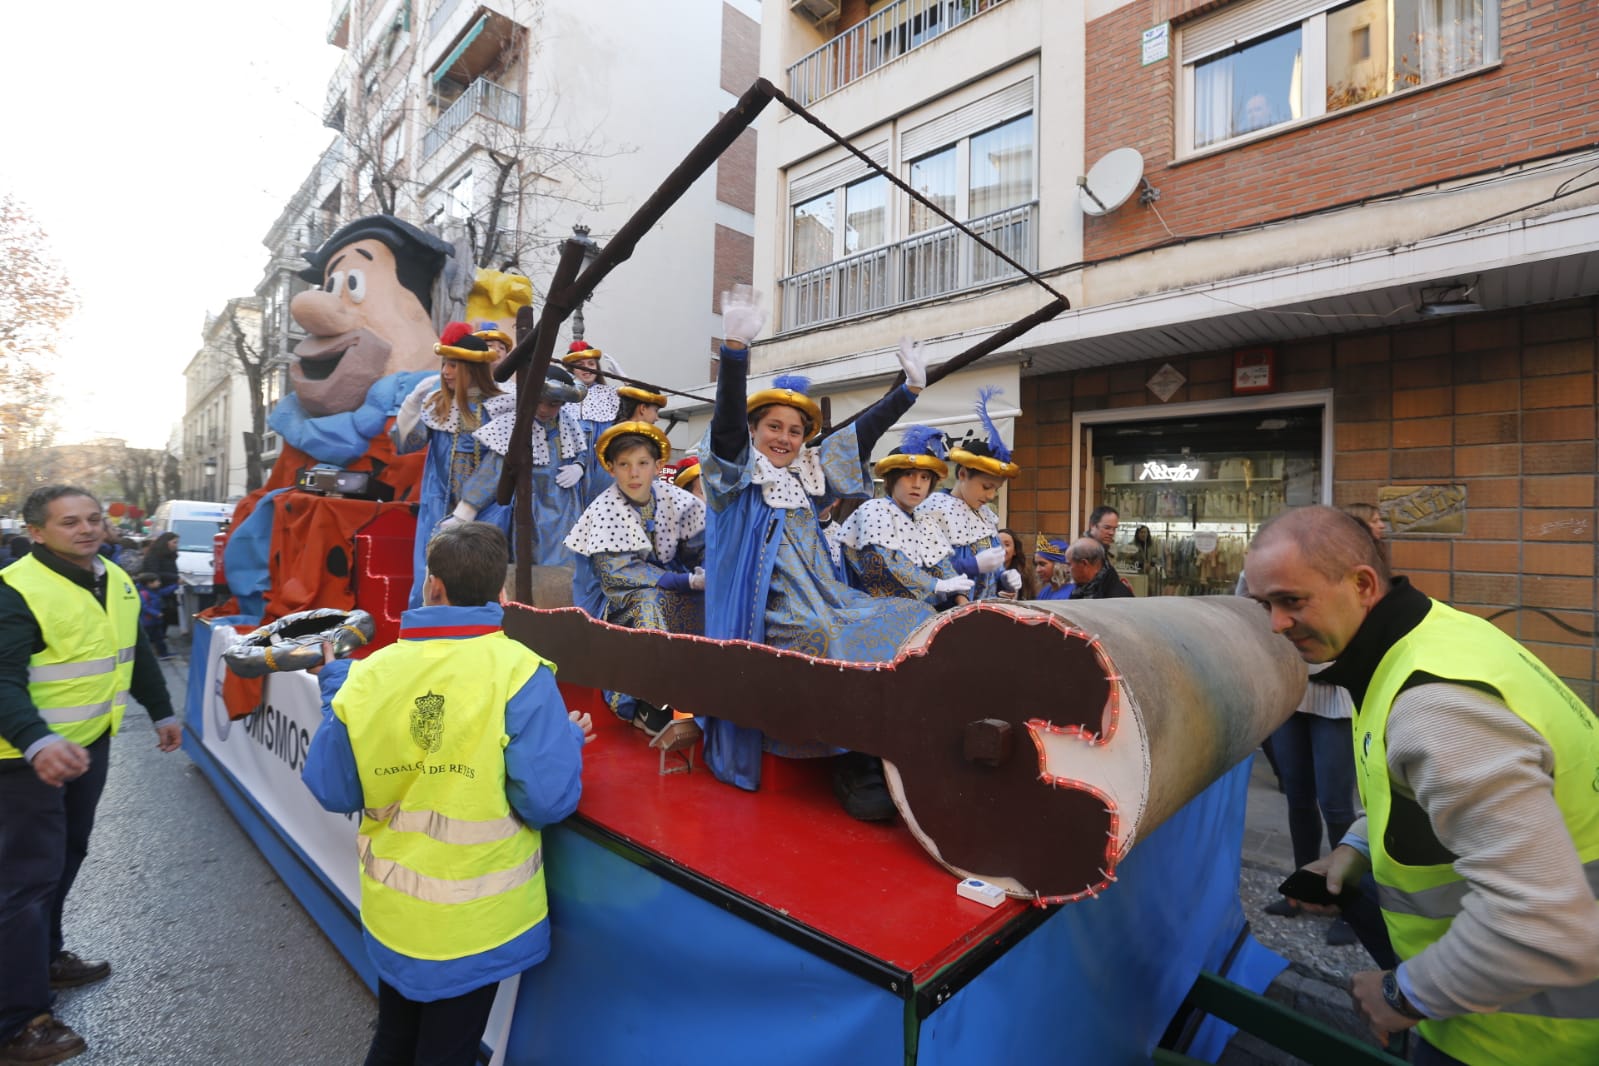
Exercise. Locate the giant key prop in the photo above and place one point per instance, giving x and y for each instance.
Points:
(1028, 744)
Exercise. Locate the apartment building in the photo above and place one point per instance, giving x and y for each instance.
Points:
(216, 410)
(1355, 259)
(504, 123)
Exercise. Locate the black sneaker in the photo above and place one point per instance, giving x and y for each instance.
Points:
(652, 719)
(1341, 934)
(858, 783)
(1283, 908)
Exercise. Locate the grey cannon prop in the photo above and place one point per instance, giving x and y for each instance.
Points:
(1195, 685)
(1028, 744)
(294, 642)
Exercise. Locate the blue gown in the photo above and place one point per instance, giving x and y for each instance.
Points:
(594, 415)
(757, 554)
(555, 510)
(460, 467)
(880, 559)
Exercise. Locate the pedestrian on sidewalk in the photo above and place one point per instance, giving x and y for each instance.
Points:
(1478, 853)
(457, 748)
(71, 652)
(151, 620)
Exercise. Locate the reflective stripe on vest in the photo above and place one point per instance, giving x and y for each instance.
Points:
(391, 874)
(79, 682)
(1553, 1026)
(1445, 901)
(69, 671)
(443, 828)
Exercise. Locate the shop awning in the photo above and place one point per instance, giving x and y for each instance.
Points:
(455, 53)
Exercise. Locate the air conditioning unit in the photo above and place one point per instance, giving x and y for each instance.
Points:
(821, 12)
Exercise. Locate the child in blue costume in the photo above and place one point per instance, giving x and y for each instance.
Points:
(769, 576)
(963, 512)
(645, 541)
(464, 418)
(633, 404)
(891, 551)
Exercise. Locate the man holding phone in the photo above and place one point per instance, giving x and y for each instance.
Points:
(1478, 769)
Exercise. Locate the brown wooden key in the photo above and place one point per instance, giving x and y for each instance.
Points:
(995, 719)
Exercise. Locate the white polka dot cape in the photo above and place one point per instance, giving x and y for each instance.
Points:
(499, 416)
(882, 523)
(613, 524)
(573, 443)
(959, 524)
(792, 486)
(599, 405)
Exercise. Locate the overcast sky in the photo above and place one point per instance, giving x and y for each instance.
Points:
(156, 144)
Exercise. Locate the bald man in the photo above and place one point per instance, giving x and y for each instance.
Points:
(1094, 577)
(1478, 770)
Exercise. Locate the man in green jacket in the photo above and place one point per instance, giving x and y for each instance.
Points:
(71, 652)
(1477, 768)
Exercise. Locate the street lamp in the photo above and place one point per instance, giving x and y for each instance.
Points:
(591, 250)
(210, 478)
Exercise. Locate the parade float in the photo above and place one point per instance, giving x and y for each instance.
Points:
(1061, 886)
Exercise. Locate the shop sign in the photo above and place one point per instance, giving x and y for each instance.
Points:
(1165, 381)
(1156, 44)
(1155, 470)
(1423, 508)
(1254, 370)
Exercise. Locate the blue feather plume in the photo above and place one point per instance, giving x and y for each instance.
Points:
(996, 446)
(793, 382)
(923, 440)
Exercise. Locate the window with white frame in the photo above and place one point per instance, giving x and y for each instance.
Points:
(1266, 63)
(857, 244)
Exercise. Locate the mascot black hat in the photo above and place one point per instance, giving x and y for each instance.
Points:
(418, 255)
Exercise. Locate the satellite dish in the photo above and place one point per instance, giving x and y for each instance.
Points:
(1111, 181)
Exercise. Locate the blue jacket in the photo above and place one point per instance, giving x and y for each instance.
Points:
(543, 766)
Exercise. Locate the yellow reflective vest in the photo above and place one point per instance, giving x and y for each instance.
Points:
(79, 682)
(447, 867)
(1556, 1026)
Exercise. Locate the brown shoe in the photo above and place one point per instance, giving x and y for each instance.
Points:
(69, 971)
(41, 1042)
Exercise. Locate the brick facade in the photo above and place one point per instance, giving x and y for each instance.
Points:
(734, 263)
(1502, 403)
(741, 50)
(1529, 106)
(735, 173)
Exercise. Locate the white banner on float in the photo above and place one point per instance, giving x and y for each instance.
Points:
(265, 753)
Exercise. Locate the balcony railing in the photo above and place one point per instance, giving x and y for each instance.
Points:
(873, 43)
(482, 97)
(918, 268)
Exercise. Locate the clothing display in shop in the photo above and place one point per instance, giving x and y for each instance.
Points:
(1177, 565)
(1232, 503)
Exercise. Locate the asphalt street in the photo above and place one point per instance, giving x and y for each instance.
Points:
(212, 959)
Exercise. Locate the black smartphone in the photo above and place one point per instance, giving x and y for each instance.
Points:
(1308, 887)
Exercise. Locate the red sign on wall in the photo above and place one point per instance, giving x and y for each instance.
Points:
(1254, 370)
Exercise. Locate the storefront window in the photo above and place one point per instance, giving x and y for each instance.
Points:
(1191, 492)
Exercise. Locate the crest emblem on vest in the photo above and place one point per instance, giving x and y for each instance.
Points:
(427, 722)
(1365, 746)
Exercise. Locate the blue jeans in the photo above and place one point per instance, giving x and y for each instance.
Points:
(1316, 761)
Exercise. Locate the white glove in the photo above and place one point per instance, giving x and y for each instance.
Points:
(742, 317)
(913, 360)
(568, 475)
(696, 580)
(411, 407)
(990, 559)
(953, 586)
(464, 512)
(1012, 580)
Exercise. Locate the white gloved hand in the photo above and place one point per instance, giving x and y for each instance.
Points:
(742, 317)
(410, 412)
(568, 475)
(954, 586)
(913, 360)
(1012, 580)
(696, 580)
(464, 512)
(990, 559)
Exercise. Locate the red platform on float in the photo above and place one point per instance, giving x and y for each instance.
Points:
(869, 886)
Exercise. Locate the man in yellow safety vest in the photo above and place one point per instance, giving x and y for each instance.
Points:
(1479, 772)
(456, 747)
(71, 653)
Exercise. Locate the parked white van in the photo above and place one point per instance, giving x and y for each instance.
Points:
(196, 522)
